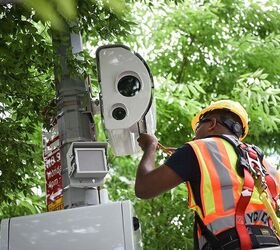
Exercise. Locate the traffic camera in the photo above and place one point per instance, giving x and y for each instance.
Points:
(126, 97)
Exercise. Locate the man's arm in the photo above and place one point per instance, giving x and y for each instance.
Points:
(151, 181)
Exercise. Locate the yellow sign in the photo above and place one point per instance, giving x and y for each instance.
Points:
(56, 205)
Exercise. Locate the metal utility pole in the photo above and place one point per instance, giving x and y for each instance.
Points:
(77, 165)
(74, 117)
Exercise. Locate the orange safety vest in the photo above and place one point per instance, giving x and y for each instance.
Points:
(221, 186)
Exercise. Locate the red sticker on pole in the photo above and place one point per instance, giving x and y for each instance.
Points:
(53, 174)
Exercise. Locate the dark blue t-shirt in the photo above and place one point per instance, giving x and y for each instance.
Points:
(185, 164)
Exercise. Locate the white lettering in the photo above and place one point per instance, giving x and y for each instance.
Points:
(53, 172)
(52, 160)
(57, 156)
(51, 184)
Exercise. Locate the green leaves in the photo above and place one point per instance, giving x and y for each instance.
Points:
(197, 53)
(261, 99)
(27, 86)
(117, 6)
(18, 205)
(176, 104)
(54, 11)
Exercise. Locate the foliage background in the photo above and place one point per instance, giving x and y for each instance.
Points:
(198, 51)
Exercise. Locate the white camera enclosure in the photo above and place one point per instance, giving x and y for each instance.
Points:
(87, 163)
(105, 226)
(126, 97)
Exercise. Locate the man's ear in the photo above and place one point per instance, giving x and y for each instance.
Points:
(213, 124)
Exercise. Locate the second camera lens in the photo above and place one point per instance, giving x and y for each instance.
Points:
(119, 113)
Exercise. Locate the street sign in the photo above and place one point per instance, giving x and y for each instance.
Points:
(52, 160)
(53, 180)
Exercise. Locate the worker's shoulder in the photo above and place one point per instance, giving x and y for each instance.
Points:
(210, 139)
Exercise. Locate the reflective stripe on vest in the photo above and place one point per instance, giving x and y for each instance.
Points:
(220, 185)
(252, 218)
(217, 162)
(217, 226)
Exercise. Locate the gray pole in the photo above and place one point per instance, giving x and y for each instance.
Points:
(75, 122)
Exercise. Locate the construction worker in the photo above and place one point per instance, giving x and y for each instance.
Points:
(228, 181)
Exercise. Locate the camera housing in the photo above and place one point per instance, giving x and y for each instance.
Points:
(126, 97)
(87, 163)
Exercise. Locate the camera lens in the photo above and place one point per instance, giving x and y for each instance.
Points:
(129, 86)
(119, 113)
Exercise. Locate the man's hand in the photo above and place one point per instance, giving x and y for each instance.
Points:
(146, 141)
(151, 181)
